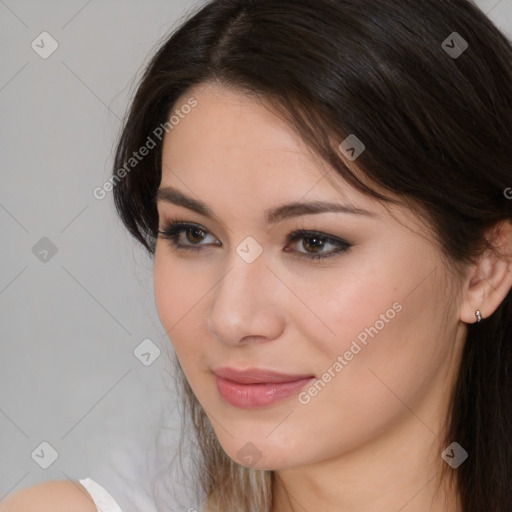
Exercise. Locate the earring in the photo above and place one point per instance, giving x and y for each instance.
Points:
(478, 316)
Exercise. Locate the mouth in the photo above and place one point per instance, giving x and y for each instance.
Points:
(256, 388)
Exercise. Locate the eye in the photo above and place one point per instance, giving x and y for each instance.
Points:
(314, 243)
(193, 233)
(187, 236)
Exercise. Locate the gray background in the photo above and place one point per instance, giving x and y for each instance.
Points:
(70, 324)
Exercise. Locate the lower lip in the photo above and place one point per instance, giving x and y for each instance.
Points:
(251, 396)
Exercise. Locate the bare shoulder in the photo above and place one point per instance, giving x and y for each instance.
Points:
(52, 496)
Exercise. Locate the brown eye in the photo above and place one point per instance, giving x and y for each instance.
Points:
(183, 235)
(314, 243)
(195, 234)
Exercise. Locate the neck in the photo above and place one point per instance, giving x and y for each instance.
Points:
(399, 471)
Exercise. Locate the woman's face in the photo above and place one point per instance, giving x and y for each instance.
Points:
(373, 324)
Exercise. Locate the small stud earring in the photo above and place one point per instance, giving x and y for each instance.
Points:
(478, 316)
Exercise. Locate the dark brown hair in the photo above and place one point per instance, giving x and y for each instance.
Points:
(437, 127)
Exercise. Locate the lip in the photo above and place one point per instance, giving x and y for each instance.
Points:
(255, 388)
(257, 375)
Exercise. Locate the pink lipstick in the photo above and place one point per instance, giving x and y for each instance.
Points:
(254, 388)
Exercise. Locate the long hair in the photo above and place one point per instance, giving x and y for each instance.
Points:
(427, 86)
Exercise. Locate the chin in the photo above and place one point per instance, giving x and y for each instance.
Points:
(261, 453)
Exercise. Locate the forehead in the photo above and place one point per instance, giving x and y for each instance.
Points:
(227, 128)
(233, 139)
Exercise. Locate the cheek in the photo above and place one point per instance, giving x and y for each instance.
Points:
(388, 347)
(178, 297)
(183, 293)
(347, 305)
(168, 286)
(373, 310)
(381, 323)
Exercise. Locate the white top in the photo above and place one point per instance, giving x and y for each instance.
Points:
(102, 499)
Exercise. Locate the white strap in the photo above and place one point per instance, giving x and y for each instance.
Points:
(102, 499)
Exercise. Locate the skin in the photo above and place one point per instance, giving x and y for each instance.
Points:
(52, 496)
(372, 438)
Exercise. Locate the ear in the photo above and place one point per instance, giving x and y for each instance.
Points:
(490, 279)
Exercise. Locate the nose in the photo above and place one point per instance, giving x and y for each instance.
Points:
(246, 305)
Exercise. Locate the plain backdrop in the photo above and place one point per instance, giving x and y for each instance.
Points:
(76, 295)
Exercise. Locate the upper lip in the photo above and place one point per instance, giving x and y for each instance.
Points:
(256, 375)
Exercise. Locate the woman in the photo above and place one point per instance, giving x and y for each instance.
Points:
(325, 189)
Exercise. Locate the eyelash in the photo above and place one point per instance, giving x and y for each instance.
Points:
(173, 228)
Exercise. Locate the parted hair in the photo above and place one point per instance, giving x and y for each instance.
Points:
(435, 116)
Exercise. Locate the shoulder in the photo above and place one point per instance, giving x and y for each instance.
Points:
(52, 496)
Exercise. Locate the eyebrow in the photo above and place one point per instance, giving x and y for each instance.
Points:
(286, 211)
